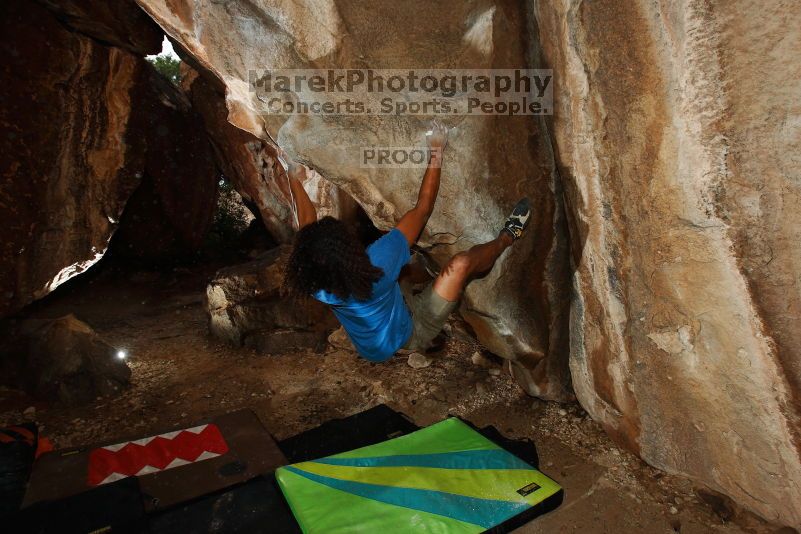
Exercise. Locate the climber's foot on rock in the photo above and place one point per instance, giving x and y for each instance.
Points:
(517, 222)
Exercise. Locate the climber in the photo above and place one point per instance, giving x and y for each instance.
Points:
(361, 285)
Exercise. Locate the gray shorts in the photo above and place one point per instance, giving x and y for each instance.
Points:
(429, 314)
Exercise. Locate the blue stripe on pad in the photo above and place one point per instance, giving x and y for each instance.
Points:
(481, 459)
(486, 513)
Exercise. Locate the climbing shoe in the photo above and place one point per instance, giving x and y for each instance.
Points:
(518, 220)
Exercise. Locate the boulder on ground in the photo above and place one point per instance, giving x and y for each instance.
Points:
(62, 360)
(339, 339)
(247, 307)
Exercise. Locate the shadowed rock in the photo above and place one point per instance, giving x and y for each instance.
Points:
(62, 360)
(246, 307)
(83, 126)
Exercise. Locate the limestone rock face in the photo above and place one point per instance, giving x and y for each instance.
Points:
(246, 307)
(252, 163)
(62, 360)
(678, 133)
(249, 162)
(67, 169)
(517, 311)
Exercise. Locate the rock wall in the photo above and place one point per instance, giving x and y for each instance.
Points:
(491, 162)
(252, 163)
(118, 23)
(82, 124)
(67, 171)
(170, 213)
(677, 130)
(676, 134)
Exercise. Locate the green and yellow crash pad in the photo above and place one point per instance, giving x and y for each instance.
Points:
(446, 478)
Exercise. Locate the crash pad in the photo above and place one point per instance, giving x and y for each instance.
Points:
(171, 467)
(445, 478)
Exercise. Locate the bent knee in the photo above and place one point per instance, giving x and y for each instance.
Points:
(458, 265)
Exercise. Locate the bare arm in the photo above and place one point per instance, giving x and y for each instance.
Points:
(306, 212)
(414, 220)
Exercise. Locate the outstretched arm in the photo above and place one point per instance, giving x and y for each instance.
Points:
(306, 212)
(414, 220)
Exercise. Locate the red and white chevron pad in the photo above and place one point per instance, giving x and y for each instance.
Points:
(156, 453)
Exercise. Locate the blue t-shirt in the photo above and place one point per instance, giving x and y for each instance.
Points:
(380, 325)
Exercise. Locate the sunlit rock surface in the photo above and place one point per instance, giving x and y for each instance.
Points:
(518, 310)
(678, 134)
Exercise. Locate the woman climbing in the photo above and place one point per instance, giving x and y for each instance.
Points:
(360, 284)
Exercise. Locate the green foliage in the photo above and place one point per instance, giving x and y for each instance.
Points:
(169, 67)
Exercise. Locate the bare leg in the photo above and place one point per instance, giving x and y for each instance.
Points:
(462, 267)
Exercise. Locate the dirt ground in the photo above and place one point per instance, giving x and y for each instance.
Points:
(181, 375)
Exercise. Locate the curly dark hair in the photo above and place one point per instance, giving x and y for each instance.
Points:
(328, 255)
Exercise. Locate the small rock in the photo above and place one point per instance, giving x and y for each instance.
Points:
(494, 371)
(339, 339)
(418, 361)
(29, 412)
(562, 412)
(482, 361)
(674, 510)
